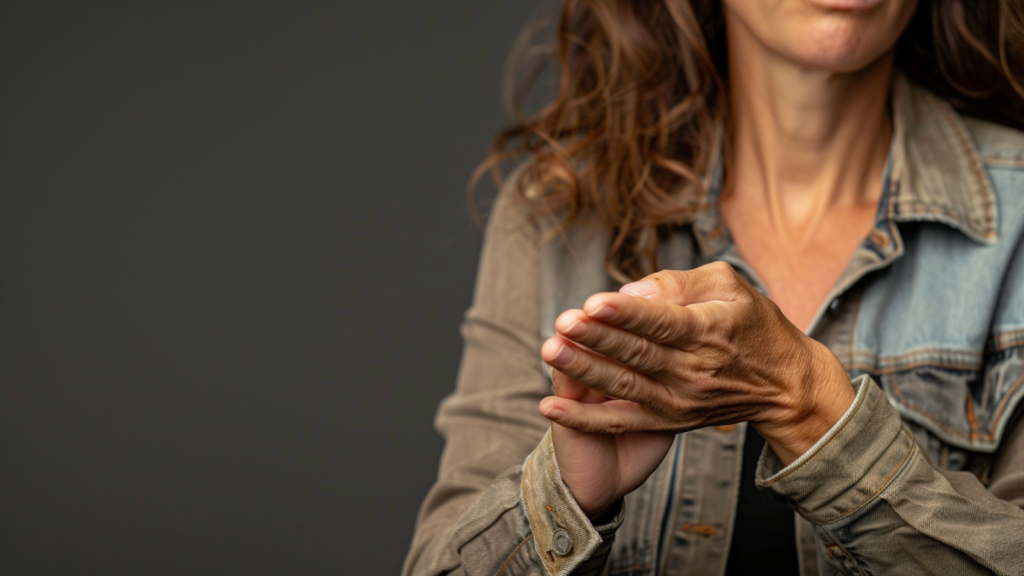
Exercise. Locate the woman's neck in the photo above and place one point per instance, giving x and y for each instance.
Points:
(803, 141)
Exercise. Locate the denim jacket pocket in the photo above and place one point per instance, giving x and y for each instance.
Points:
(955, 409)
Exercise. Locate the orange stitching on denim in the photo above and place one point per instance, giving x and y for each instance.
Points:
(853, 325)
(916, 352)
(861, 367)
(1005, 340)
(998, 162)
(996, 343)
(830, 547)
(893, 364)
(871, 361)
(929, 364)
(504, 566)
(972, 418)
(917, 208)
(928, 415)
(919, 351)
(1006, 399)
(973, 435)
(702, 529)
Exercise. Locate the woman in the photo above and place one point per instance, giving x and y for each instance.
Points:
(793, 224)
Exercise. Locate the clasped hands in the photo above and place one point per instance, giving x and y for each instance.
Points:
(677, 351)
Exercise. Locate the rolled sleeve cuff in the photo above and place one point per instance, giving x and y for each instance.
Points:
(564, 536)
(849, 466)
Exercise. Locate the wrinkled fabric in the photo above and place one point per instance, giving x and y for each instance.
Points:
(924, 474)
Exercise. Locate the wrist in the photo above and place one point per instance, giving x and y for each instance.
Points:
(599, 517)
(821, 395)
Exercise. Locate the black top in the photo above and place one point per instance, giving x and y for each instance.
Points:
(764, 536)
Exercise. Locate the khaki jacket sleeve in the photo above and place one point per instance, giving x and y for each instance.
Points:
(474, 519)
(880, 506)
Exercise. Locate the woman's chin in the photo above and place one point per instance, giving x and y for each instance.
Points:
(839, 47)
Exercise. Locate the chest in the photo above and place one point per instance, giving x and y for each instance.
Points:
(799, 269)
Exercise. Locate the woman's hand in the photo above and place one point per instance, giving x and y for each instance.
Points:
(682, 350)
(601, 468)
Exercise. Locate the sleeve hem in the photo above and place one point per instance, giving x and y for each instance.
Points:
(563, 535)
(849, 466)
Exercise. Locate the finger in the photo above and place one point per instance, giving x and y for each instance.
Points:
(571, 388)
(655, 320)
(623, 346)
(602, 374)
(714, 281)
(612, 417)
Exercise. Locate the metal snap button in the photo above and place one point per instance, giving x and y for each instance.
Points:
(562, 542)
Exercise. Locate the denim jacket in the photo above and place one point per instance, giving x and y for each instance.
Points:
(924, 474)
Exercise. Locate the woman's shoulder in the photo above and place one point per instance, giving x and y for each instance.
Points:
(523, 207)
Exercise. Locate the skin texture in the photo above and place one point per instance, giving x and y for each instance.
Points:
(681, 350)
(809, 144)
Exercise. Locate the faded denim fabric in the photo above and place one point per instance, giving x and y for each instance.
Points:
(924, 474)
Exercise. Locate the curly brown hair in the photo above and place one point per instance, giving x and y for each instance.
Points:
(641, 93)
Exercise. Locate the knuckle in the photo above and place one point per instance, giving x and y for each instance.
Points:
(668, 281)
(726, 275)
(632, 386)
(704, 374)
(599, 338)
(676, 280)
(643, 355)
(703, 393)
(580, 368)
(623, 383)
(617, 426)
(721, 267)
(663, 327)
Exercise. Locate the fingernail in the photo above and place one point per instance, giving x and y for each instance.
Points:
(565, 355)
(566, 324)
(603, 312)
(641, 288)
(554, 412)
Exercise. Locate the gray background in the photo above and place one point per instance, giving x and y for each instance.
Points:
(234, 254)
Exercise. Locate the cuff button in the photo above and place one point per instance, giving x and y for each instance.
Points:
(562, 542)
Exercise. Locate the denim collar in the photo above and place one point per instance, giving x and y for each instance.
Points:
(934, 173)
(937, 170)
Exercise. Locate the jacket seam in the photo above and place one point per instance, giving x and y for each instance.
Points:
(1006, 399)
(865, 359)
(990, 436)
(848, 556)
(973, 160)
(998, 162)
(915, 408)
(888, 481)
(853, 328)
(875, 369)
(504, 566)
